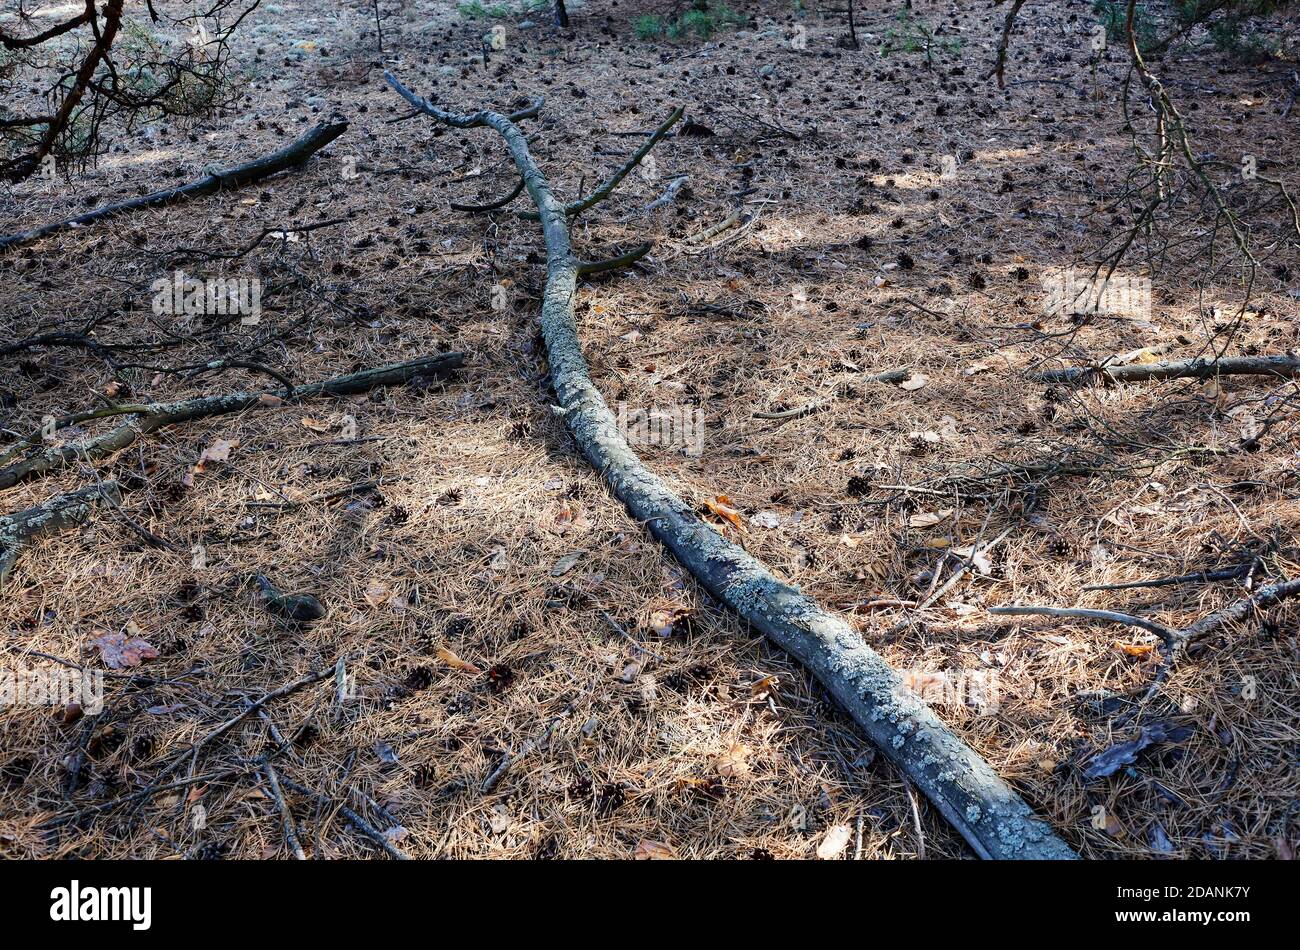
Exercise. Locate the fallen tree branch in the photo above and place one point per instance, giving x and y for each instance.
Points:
(1110, 616)
(295, 153)
(1174, 643)
(154, 416)
(586, 268)
(976, 801)
(1284, 366)
(61, 513)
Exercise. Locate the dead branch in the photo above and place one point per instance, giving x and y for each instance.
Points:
(154, 416)
(1110, 616)
(61, 513)
(1005, 41)
(1174, 643)
(976, 801)
(355, 820)
(293, 154)
(1284, 366)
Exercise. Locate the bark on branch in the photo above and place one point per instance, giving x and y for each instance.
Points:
(295, 153)
(1283, 366)
(154, 416)
(61, 513)
(976, 801)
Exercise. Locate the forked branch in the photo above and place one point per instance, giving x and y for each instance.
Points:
(976, 801)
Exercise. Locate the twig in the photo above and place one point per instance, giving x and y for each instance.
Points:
(355, 820)
(1160, 630)
(286, 816)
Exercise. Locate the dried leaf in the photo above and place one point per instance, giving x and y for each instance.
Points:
(929, 519)
(733, 762)
(723, 507)
(567, 563)
(1112, 759)
(834, 842)
(315, 425)
(648, 850)
(120, 651)
(218, 451)
(377, 593)
(913, 382)
(1135, 649)
(456, 662)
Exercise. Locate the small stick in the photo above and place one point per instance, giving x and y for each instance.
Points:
(527, 749)
(1164, 633)
(286, 816)
(916, 820)
(357, 822)
(1205, 577)
(957, 574)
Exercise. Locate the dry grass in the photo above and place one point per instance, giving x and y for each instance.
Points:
(681, 739)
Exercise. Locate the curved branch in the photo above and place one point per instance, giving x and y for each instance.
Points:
(980, 805)
(614, 263)
(493, 205)
(295, 153)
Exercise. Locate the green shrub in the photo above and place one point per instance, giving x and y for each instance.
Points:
(702, 20)
(1113, 14)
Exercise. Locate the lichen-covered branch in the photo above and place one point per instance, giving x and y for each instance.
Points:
(58, 514)
(975, 800)
(155, 416)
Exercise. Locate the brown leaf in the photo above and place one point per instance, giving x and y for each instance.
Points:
(315, 425)
(723, 507)
(120, 651)
(218, 451)
(733, 762)
(567, 563)
(929, 519)
(456, 662)
(648, 850)
(1135, 649)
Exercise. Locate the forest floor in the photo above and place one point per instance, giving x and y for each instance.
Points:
(486, 591)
